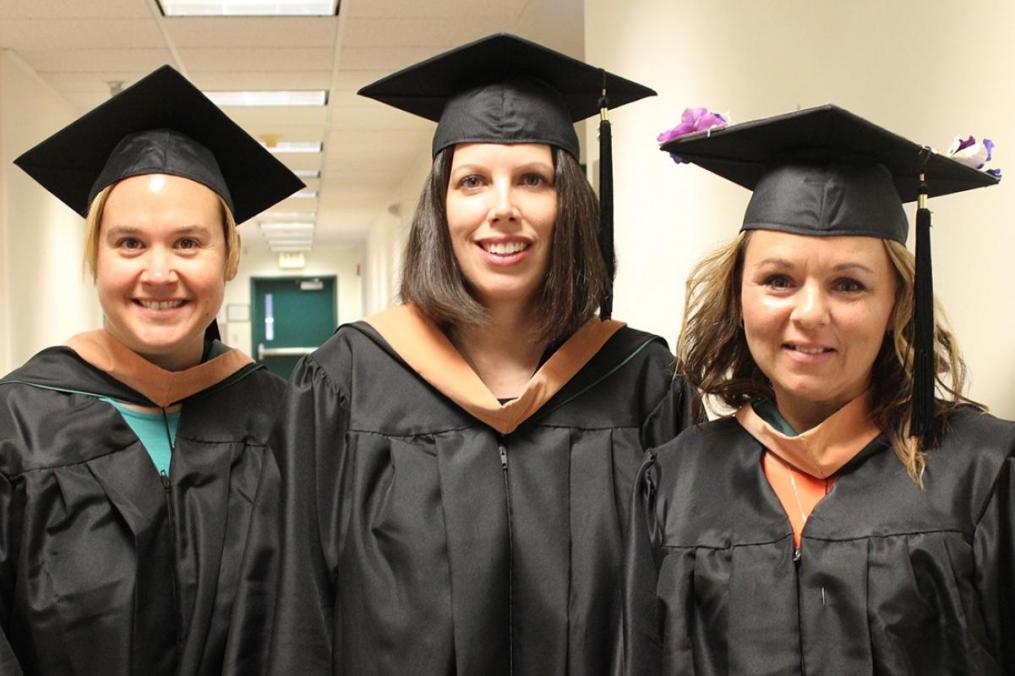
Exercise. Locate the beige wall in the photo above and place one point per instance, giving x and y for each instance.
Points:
(345, 262)
(44, 299)
(386, 241)
(927, 70)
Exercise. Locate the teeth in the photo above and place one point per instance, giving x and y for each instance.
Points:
(808, 350)
(505, 248)
(161, 304)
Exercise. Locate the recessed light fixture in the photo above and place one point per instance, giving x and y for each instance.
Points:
(308, 173)
(249, 7)
(295, 147)
(268, 98)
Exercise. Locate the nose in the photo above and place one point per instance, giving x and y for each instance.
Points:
(159, 267)
(811, 308)
(503, 209)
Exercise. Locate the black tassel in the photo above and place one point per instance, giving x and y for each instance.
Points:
(606, 209)
(923, 423)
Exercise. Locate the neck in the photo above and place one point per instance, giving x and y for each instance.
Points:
(179, 359)
(505, 351)
(803, 415)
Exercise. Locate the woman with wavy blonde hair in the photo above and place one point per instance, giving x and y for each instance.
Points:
(843, 520)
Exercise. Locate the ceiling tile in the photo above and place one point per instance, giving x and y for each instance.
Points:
(252, 31)
(27, 34)
(73, 9)
(95, 60)
(238, 60)
(445, 9)
(254, 80)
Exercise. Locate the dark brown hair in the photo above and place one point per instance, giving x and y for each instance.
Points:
(714, 357)
(575, 279)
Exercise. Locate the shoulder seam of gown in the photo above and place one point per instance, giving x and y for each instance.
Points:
(48, 468)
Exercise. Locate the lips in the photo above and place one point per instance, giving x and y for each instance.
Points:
(807, 349)
(159, 304)
(504, 247)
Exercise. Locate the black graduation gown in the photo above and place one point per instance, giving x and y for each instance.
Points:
(890, 579)
(418, 540)
(105, 568)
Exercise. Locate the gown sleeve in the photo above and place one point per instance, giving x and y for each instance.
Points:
(639, 624)
(677, 410)
(9, 521)
(994, 549)
(286, 610)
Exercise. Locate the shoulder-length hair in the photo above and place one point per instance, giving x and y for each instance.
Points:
(714, 357)
(575, 280)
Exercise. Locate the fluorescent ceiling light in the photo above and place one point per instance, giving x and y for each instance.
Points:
(308, 173)
(265, 97)
(272, 228)
(303, 195)
(292, 247)
(249, 7)
(294, 147)
(298, 216)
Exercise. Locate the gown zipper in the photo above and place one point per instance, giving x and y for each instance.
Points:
(167, 486)
(503, 452)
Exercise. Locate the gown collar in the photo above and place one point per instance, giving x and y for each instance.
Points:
(825, 448)
(425, 348)
(162, 387)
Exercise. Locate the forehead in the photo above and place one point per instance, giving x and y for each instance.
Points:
(501, 153)
(161, 192)
(769, 247)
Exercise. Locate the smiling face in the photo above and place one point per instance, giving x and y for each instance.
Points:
(161, 266)
(815, 313)
(501, 209)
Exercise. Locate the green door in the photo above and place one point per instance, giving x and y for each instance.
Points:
(292, 316)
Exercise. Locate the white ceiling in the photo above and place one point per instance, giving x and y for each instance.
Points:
(78, 46)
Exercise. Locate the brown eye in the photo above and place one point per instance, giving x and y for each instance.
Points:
(778, 282)
(849, 285)
(470, 181)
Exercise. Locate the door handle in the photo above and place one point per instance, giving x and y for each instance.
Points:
(263, 351)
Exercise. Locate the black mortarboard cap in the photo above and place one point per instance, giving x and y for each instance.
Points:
(504, 89)
(827, 172)
(161, 124)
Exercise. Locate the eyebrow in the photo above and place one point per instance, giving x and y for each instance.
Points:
(782, 263)
(134, 230)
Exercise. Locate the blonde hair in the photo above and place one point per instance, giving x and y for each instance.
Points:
(714, 357)
(94, 219)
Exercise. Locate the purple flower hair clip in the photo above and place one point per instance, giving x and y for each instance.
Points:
(973, 153)
(693, 120)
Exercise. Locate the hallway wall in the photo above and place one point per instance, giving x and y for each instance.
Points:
(44, 298)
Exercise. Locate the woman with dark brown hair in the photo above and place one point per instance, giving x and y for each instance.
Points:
(849, 518)
(457, 469)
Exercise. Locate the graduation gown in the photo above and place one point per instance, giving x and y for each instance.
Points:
(429, 530)
(106, 567)
(889, 578)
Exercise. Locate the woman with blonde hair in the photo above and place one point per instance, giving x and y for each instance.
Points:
(848, 518)
(129, 457)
